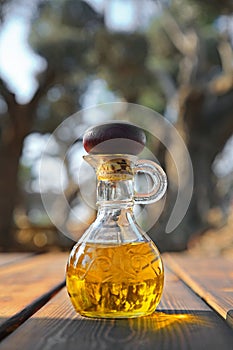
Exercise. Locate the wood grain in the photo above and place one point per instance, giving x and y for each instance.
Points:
(10, 258)
(183, 321)
(27, 285)
(210, 278)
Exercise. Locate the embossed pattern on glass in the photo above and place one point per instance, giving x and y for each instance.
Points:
(115, 281)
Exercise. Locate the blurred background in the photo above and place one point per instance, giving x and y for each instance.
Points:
(61, 56)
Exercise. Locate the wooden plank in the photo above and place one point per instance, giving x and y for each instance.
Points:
(26, 286)
(183, 321)
(210, 278)
(10, 258)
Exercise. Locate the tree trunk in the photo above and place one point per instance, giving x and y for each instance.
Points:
(9, 160)
(11, 144)
(17, 126)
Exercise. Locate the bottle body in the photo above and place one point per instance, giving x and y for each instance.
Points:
(119, 281)
(115, 271)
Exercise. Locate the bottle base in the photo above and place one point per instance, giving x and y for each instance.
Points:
(114, 315)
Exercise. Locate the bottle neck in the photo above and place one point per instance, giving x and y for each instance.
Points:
(115, 179)
(115, 193)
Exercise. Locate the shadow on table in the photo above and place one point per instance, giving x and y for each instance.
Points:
(162, 330)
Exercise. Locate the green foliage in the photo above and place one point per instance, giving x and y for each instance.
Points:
(210, 9)
(77, 46)
(25, 174)
(66, 48)
(64, 34)
(153, 99)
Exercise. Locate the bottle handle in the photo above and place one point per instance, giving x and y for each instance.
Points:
(159, 180)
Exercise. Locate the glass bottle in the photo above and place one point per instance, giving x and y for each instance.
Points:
(115, 270)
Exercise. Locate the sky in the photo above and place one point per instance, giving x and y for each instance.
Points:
(18, 63)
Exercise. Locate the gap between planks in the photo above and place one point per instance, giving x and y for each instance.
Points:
(11, 324)
(28, 285)
(210, 278)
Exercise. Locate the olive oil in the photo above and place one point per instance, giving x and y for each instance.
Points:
(117, 281)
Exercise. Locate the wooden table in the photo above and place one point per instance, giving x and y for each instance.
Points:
(196, 311)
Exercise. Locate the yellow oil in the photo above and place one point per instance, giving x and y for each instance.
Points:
(117, 281)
